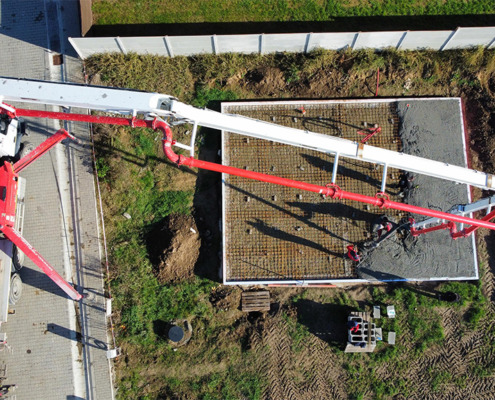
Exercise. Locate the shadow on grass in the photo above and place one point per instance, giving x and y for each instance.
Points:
(161, 328)
(326, 321)
(339, 24)
(207, 208)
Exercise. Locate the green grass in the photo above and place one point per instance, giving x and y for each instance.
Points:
(297, 332)
(205, 96)
(175, 11)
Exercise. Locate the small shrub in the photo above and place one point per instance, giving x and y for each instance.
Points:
(205, 96)
(292, 74)
(440, 379)
(475, 314)
(102, 167)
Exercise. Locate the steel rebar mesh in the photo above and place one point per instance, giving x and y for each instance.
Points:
(278, 233)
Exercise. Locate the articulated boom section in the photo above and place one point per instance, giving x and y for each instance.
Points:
(435, 224)
(154, 105)
(9, 176)
(132, 102)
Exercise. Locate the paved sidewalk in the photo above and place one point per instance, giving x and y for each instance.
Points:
(58, 346)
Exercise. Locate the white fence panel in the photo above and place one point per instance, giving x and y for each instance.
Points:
(86, 47)
(377, 40)
(154, 45)
(331, 41)
(238, 44)
(189, 45)
(295, 42)
(419, 40)
(469, 37)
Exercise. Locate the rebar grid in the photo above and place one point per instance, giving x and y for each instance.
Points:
(278, 233)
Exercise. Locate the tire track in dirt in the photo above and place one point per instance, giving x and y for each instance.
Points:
(480, 388)
(328, 382)
(310, 373)
(274, 346)
(473, 348)
(452, 356)
(456, 356)
(311, 363)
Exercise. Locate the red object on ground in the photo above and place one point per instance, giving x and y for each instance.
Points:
(354, 329)
(369, 133)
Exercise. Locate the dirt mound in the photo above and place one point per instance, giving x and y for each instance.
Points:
(178, 259)
(265, 81)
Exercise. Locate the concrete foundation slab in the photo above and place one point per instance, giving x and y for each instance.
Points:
(273, 234)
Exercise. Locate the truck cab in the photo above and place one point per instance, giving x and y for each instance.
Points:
(11, 132)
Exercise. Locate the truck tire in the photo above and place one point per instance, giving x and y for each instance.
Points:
(17, 259)
(15, 289)
(26, 148)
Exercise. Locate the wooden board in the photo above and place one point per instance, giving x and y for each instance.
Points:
(255, 301)
(369, 348)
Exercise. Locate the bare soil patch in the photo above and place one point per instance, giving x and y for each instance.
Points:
(180, 255)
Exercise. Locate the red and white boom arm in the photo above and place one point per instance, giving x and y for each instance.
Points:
(133, 102)
(8, 183)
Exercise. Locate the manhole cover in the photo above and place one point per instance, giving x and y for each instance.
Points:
(176, 334)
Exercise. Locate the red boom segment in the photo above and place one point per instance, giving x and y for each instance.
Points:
(36, 257)
(380, 200)
(8, 183)
(60, 135)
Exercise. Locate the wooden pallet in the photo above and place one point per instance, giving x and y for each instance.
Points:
(255, 301)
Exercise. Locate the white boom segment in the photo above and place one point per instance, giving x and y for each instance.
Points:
(91, 97)
(132, 102)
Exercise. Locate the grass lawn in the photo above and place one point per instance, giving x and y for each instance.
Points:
(110, 12)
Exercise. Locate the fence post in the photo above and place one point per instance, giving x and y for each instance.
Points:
(449, 39)
(121, 45)
(168, 46)
(261, 43)
(490, 45)
(214, 44)
(354, 41)
(401, 40)
(308, 42)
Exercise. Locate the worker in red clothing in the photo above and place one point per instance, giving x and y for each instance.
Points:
(353, 326)
(352, 253)
(385, 225)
